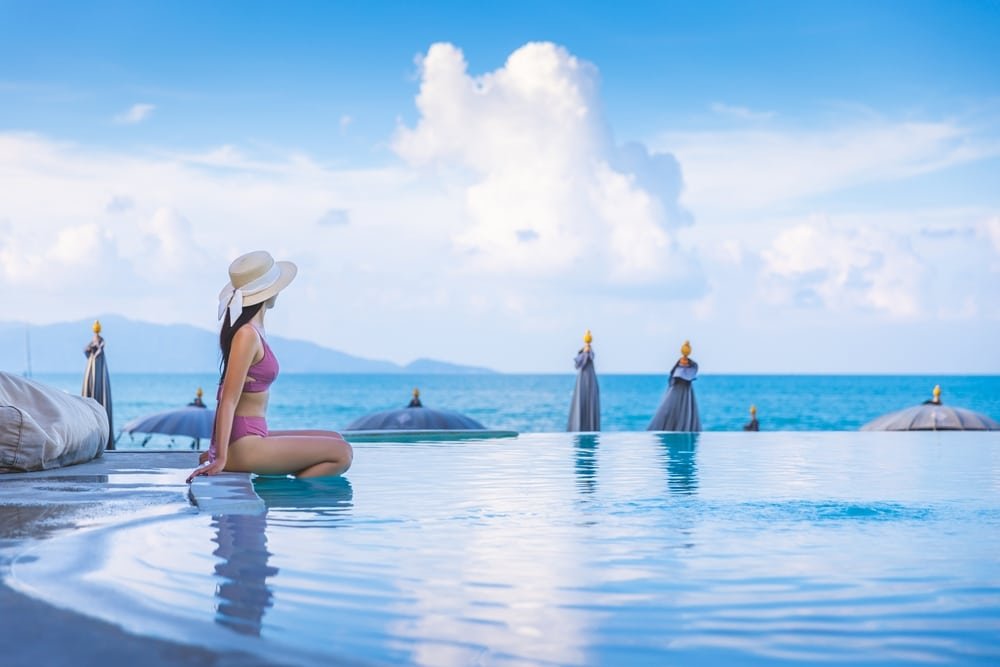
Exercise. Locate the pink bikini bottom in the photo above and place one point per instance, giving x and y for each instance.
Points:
(243, 426)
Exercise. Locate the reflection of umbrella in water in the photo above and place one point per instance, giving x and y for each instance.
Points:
(932, 415)
(96, 381)
(680, 454)
(194, 421)
(586, 462)
(585, 408)
(679, 410)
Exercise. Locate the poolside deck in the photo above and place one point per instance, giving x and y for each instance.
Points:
(41, 504)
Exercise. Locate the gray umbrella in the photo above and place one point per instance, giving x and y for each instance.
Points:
(585, 408)
(932, 415)
(96, 382)
(679, 410)
(415, 423)
(193, 420)
(415, 419)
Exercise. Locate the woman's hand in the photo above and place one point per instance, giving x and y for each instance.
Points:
(208, 468)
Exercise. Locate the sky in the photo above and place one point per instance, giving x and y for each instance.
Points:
(793, 187)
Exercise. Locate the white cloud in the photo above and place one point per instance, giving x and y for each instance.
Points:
(547, 192)
(120, 204)
(816, 264)
(741, 113)
(742, 170)
(992, 231)
(135, 114)
(334, 218)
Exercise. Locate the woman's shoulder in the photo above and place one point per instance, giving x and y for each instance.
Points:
(246, 335)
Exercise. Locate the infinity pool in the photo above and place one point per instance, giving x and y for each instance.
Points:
(610, 549)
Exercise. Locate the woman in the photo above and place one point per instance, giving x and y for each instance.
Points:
(241, 441)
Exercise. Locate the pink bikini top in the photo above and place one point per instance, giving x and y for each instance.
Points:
(262, 374)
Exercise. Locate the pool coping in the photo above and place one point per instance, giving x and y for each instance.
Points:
(83, 639)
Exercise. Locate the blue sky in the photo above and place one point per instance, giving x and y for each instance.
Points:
(796, 187)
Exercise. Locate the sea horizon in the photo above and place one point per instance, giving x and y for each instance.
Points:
(539, 402)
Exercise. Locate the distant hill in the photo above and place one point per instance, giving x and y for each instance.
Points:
(142, 347)
(430, 366)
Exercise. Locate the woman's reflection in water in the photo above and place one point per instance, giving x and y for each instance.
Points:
(243, 593)
(586, 462)
(679, 450)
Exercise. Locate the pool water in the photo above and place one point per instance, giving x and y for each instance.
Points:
(593, 549)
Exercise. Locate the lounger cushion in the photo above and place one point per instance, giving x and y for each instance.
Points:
(43, 427)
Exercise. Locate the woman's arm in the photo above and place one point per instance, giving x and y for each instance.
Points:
(246, 346)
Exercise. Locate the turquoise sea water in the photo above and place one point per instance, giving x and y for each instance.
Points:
(540, 403)
(562, 549)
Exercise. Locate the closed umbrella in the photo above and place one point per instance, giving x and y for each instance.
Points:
(932, 415)
(585, 408)
(679, 410)
(193, 420)
(96, 382)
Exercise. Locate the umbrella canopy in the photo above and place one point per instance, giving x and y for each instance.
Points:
(96, 381)
(585, 408)
(932, 415)
(193, 420)
(415, 419)
(679, 410)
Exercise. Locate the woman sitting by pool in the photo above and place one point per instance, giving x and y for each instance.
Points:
(241, 441)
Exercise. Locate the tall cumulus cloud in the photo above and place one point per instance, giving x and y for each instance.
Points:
(547, 192)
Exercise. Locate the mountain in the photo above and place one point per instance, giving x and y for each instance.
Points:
(430, 366)
(143, 347)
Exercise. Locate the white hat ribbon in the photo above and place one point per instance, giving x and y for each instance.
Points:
(232, 298)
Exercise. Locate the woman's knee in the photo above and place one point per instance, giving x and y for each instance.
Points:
(345, 451)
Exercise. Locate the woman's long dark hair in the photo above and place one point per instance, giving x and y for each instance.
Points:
(227, 332)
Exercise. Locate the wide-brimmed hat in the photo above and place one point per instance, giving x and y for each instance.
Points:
(253, 278)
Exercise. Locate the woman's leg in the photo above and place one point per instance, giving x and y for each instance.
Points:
(302, 454)
(332, 434)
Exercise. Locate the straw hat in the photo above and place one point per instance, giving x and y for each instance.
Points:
(253, 278)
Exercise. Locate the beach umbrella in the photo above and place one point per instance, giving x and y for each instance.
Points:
(585, 408)
(193, 420)
(932, 415)
(96, 382)
(415, 417)
(679, 410)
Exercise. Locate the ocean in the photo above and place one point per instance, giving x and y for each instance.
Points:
(540, 403)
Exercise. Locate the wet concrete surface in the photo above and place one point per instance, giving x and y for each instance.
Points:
(41, 505)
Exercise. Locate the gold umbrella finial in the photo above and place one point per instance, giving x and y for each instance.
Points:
(587, 338)
(686, 349)
(199, 393)
(753, 410)
(937, 393)
(97, 326)
(416, 392)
